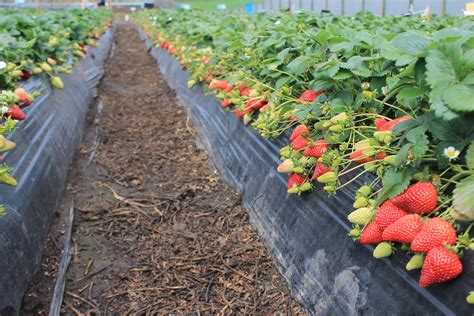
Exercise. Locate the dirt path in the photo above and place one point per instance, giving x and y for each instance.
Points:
(156, 230)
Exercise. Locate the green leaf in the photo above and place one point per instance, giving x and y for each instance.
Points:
(460, 97)
(470, 156)
(299, 65)
(463, 198)
(394, 182)
(410, 92)
(412, 43)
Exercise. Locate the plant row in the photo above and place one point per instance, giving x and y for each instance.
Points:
(34, 42)
(391, 97)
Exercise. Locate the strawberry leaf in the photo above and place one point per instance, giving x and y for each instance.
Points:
(464, 197)
(394, 182)
(470, 156)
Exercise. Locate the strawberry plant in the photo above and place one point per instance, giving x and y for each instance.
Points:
(382, 98)
(36, 42)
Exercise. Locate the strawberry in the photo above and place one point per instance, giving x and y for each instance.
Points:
(241, 113)
(209, 76)
(296, 179)
(286, 166)
(404, 229)
(420, 198)
(255, 104)
(205, 59)
(22, 96)
(26, 74)
(371, 234)
(299, 143)
(229, 89)
(298, 131)
(16, 113)
(383, 125)
(319, 92)
(171, 50)
(245, 91)
(388, 213)
(225, 103)
(441, 265)
(359, 157)
(383, 250)
(436, 232)
(308, 96)
(320, 170)
(317, 150)
(265, 107)
(219, 84)
(381, 155)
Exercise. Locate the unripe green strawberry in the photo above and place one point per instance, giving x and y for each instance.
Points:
(7, 179)
(329, 189)
(384, 249)
(471, 246)
(387, 139)
(327, 177)
(355, 233)
(327, 124)
(336, 162)
(305, 187)
(380, 135)
(247, 118)
(16, 73)
(2, 211)
(470, 298)
(307, 161)
(416, 262)
(191, 83)
(360, 202)
(371, 166)
(51, 61)
(285, 151)
(391, 160)
(319, 126)
(10, 66)
(37, 70)
(298, 170)
(5, 144)
(361, 216)
(368, 95)
(46, 67)
(340, 118)
(57, 82)
(293, 190)
(336, 128)
(364, 190)
(286, 166)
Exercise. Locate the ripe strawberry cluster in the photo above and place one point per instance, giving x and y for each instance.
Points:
(400, 220)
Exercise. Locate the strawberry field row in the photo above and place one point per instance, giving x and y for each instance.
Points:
(387, 96)
(36, 42)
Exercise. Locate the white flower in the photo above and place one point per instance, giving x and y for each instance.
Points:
(4, 109)
(451, 153)
(2, 64)
(278, 22)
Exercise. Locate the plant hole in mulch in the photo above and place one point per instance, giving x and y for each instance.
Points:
(156, 231)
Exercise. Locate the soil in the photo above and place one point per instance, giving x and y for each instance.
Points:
(156, 231)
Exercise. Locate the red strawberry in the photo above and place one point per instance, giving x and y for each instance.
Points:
(26, 74)
(383, 125)
(319, 92)
(371, 234)
(295, 179)
(420, 198)
(255, 104)
(241, 113)
(209, 76)
(22, 96)
(219, 84)
(298, 131)
(436, 232)
(245, 91)
(441, 265)
(299, 143)
(16, 113)
(320, 170)
(205, 59)
(359, 157)
(229, 89)
(171, 50)
(381, 155)
(308, 96)
(404, 229)
(388, 213)
(225, 103)
(317, 150)
(265, 107)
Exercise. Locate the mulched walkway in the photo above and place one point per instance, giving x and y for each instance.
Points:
(156, 230)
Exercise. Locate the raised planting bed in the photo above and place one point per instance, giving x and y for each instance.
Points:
(326, 270)
(45, 145)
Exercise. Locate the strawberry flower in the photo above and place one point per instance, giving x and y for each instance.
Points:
(451, 153)
(4, 109)
(2, 64)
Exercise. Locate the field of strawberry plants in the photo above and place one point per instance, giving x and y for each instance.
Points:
(35, 43)
(391, 97)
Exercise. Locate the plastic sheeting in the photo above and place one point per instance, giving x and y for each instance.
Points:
(46, 143)
(326, 271)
